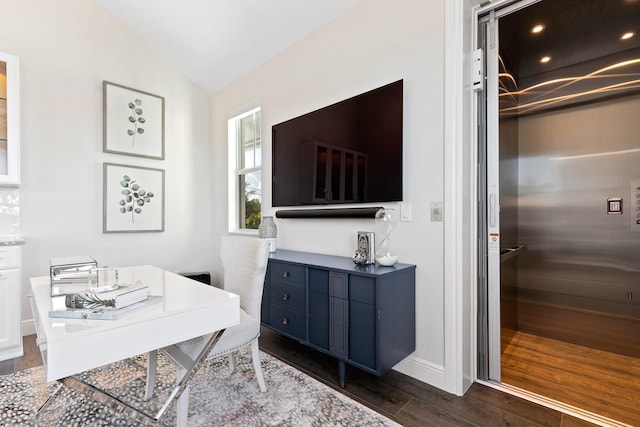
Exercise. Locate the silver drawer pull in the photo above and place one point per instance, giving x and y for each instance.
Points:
(285, 321)
(284, 296)
(285, 274)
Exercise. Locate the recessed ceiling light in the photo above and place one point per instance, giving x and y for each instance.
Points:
(545, 59)
(537, 29)
(627, 36)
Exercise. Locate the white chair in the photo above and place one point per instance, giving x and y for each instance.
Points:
(244, 261)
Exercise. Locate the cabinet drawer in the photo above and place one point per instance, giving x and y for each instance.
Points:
(362, 289)
(9, 276)
(362, 348)
(9, 256)
(286, 273)
(362, 317)
(318, 281)
(338, 283)
(290, 296)
(290, 322)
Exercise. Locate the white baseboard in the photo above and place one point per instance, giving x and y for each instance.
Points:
(27, 327)
(423, 370)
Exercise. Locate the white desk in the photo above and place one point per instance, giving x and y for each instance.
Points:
(188, 309)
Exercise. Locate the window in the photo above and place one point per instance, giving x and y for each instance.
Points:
(245, 151)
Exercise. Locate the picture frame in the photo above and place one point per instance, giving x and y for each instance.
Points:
(133, 199)
(133, 122)
(366, 245)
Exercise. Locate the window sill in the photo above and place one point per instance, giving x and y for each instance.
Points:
(244, 232)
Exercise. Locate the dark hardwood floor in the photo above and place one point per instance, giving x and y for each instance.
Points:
(397, 396)
(30, 359)
(595, 380)
(413, 403)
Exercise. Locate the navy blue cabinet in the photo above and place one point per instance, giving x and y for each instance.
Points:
(361, 315)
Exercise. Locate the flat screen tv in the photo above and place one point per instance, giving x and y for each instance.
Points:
(348, 152)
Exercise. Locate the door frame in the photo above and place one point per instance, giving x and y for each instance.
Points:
(488, 189)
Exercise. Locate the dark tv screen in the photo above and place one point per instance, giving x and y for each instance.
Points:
(348, 152)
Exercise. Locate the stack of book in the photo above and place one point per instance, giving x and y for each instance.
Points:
(105, 305)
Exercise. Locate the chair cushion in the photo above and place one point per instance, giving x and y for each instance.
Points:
(233, 338)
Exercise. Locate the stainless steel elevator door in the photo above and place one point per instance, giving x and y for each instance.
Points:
(550, 173)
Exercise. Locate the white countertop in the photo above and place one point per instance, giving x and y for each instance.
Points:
(11, 240)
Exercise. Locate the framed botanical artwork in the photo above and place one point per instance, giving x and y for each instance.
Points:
(133, 122)
(133, 199)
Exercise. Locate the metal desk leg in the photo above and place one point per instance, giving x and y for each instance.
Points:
(48, 401)
(119, 405)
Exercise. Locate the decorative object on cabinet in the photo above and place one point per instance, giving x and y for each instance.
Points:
(133, 122)
(9, 119)
(366, 248)
(386, 220)
(268, 230)
(361, 315)
(10, 335)
(133, 199)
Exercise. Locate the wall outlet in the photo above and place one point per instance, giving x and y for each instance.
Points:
(436, 211)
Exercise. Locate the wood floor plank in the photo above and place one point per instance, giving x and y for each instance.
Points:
(428, 405)
(515, 405)
(605, 388)
(609, 361)
(31, 357)
(574, 357)
(6, 367)
(573, 396)
(600, 378)
(420, 414)
(569, 421)
(601, 382)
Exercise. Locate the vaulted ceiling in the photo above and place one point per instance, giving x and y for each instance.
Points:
(215, 42)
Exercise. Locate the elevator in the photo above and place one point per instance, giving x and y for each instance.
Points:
(559, 219)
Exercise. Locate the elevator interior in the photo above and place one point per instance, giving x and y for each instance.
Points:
(570, 173)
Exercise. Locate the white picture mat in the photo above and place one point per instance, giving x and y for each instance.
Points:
(152, 216)
(116, 122)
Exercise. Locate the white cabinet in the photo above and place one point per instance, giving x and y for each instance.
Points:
(10, 336)
(9, 120)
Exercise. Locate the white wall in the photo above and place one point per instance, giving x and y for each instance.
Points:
(67, 48)
(374, 43)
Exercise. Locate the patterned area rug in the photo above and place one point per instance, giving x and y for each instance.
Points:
(218, 397)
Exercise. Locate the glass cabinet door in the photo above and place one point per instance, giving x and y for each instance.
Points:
(9, 120)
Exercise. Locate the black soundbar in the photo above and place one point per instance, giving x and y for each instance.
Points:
(329, 213)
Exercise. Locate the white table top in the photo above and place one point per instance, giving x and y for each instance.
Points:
(188, 309)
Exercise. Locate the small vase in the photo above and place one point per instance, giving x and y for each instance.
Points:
(268, 230)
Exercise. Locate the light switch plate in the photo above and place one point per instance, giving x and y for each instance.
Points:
(405, 212)
(436, 212)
